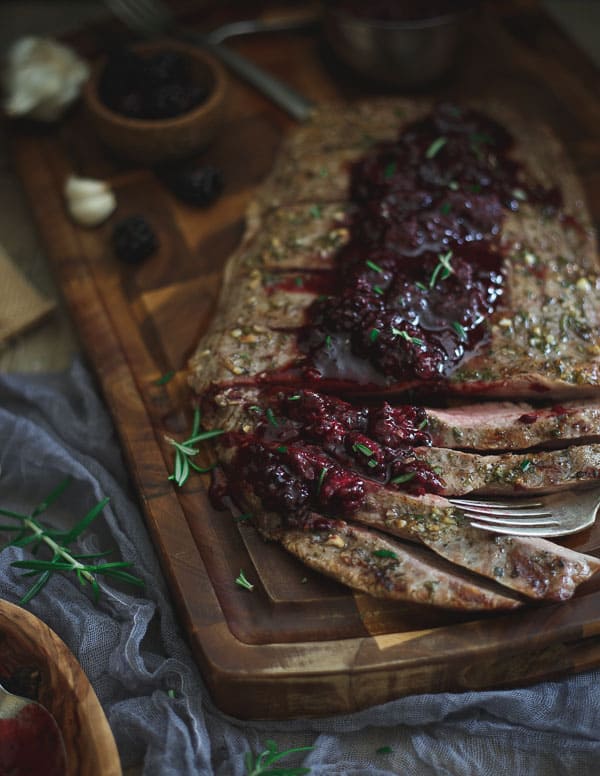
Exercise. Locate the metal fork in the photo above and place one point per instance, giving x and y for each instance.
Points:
(556, 515)
(152, 18)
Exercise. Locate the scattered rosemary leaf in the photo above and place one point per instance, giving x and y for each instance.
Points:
(402, 478)
(373, 334)
(167, 377)
(384, 554)
(295, 397)
(453, 185)
(255, 408)
(378, 290)
(328, 341)
(526, 465)
(299, 281)
(420, 285)
(261, 765)
(243, 518)
(372, 463)
(445, 208)
(460, 330)
(422, 424)
(243, 582)
(315, 211)
(185, 451)
(436, 147)
(384, 750)
(371, 265)
(281, 449)
(360, 448)
(171, 693)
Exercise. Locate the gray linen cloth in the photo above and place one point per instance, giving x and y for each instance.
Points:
(132, 649)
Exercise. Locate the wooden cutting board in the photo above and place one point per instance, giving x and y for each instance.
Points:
(298, 644)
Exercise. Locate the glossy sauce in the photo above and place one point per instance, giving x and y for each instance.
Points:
(422, 271)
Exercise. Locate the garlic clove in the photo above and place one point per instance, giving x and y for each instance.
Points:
(91, 211)
(41, 78)
(84, 187)
(89, 201)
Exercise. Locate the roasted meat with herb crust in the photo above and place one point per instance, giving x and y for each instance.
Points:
(401, 256)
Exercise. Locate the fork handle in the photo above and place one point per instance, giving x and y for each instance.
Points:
(283, 95)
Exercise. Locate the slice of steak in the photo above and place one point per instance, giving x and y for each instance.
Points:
(368, 561)
(511, 473)
(376, 564)
(514, 426)
(535, 567)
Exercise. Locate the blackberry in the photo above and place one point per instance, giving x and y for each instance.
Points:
(195, 186)
(167, 66)
(133, 240)
(172, 99)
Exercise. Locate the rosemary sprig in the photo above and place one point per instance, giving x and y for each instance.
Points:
(261, 765)
(31, 532)
(185, 451)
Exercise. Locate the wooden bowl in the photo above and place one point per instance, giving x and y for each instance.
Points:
(151, 141)
(28, 647)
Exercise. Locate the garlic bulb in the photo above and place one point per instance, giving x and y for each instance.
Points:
(90, 202)
(42, 77)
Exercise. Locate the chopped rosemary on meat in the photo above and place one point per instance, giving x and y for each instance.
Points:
(360, 448)
(390, 170)
(420, 285)
(526, 465)
(445, 208)
(271, 417)
(436, 147)
(322, 476)
(378, 290)
(371, 265)
(443, 269)
(295, 397)
(315, 211)
(460, 330)
(373, 334)
(281, 449)
(402, 478)
(385, 554)
(406, 336)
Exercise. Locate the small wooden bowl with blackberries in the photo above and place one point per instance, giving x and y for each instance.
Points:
(157, 101)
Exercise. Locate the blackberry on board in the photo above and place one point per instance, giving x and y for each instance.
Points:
(193, 185)
(133, 239)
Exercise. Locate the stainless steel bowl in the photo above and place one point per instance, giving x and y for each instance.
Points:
(407, 54)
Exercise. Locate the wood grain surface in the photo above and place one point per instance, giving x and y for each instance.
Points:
(35, 663)
(298, 644)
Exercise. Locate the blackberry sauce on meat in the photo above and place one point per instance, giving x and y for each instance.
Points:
(422, 271)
